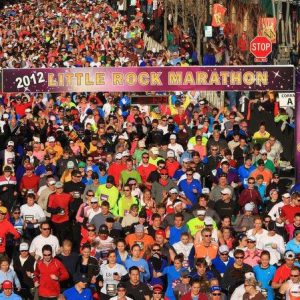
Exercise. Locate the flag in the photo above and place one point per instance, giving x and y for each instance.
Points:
(218, 14)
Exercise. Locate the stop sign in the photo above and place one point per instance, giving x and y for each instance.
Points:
(261, 47)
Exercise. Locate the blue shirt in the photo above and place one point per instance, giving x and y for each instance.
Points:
(13, 296)
(173, 276)
(265, 276)
(293, 246)
(244, 173)
(73, 294)
(188, 187)
(139, 263)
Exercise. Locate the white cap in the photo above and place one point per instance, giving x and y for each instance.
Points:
(226, 191)
(123, 136)
(70, 164)
(24, 247)
(5, 116)
(10, 143)
(170, 153)
(172, 137)
(190, 147)
(89, 169)
(249, 207)
(208, 221)
(125, 153)
(223, 249)
(251, 238)
(141, 144)
(52, 182)
(201, 212)
(154, 150)
(173, 191)
(186, 159)
(51, 139)
(94, 199)
(119, 155)
(249, 275)
(205, 190)
(263, 151)
(286, 195)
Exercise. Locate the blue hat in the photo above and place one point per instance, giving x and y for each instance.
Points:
(215, 288)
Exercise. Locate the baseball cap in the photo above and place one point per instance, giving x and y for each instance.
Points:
(141, 144)
(81, 164)
(24, 247)
(172, 137)
(173, 191)
(158, 288)
(139, 228)
(94, 200)
(70, 164)
(6, 284)
(89, 169)
(215, 288)
(185, 274)
(226, 191)
(190, 147)
(289, 255)
(186, 160)
(286, 195)
(205, 191)
(201, 212)
(249, 207)
(223, 249)
(10, 143)
(29, 167)
(170, 153)
(59, 184)
(118, 156)
(160, 232)
(52, 182)
(154, 150)
(263, 151)
(251, 238)
(125, 153)
(51, 139)
(3, 210)
(208, 221)
(249, 275)
(78, 277)
(103, 229)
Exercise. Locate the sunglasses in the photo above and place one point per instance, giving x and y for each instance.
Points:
(91, 229)
(251, 242)
(252, 182)
(94, 202)
(189, 174)
(225, 254)
(47, 255)
(78, 176)
(126, 190)
(293, 275)
(239, 257)
(146, 157)
(216, 294)
(157, 293)
(207, 235)
(214, 149)
(89, 195)
(157, 249)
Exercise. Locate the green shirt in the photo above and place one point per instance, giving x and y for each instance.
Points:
(105, 194)
(196, 224)
(123, 206)
(125, 175)
(137, 155)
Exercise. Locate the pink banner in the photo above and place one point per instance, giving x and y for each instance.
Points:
(151, 79)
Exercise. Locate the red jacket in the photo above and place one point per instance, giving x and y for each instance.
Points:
(62, 201)
(5, 228)
(188, 296)
(49, 287)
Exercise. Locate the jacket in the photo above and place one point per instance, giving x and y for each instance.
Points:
(5, 228)
(47, 286)
(28, 266)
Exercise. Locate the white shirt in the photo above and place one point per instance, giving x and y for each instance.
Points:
(275, 254)
(259, 237)
(34, 212)
(39, 242)
(275, 213)
(107, 274)
(117, 298)
(177, 148)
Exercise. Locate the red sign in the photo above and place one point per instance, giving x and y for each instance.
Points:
(261, 47)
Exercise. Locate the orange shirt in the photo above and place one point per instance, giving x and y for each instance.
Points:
(266, 173)
(202, 251)
(145, 243)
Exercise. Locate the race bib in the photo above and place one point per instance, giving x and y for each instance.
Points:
(1, 240)
(111, 289)
(103, 197)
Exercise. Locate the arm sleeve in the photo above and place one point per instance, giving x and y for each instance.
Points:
(147, 272)
(13, 231)
(64, 275)
(17, 281)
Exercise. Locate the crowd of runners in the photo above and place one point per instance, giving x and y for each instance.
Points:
(101, 198)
